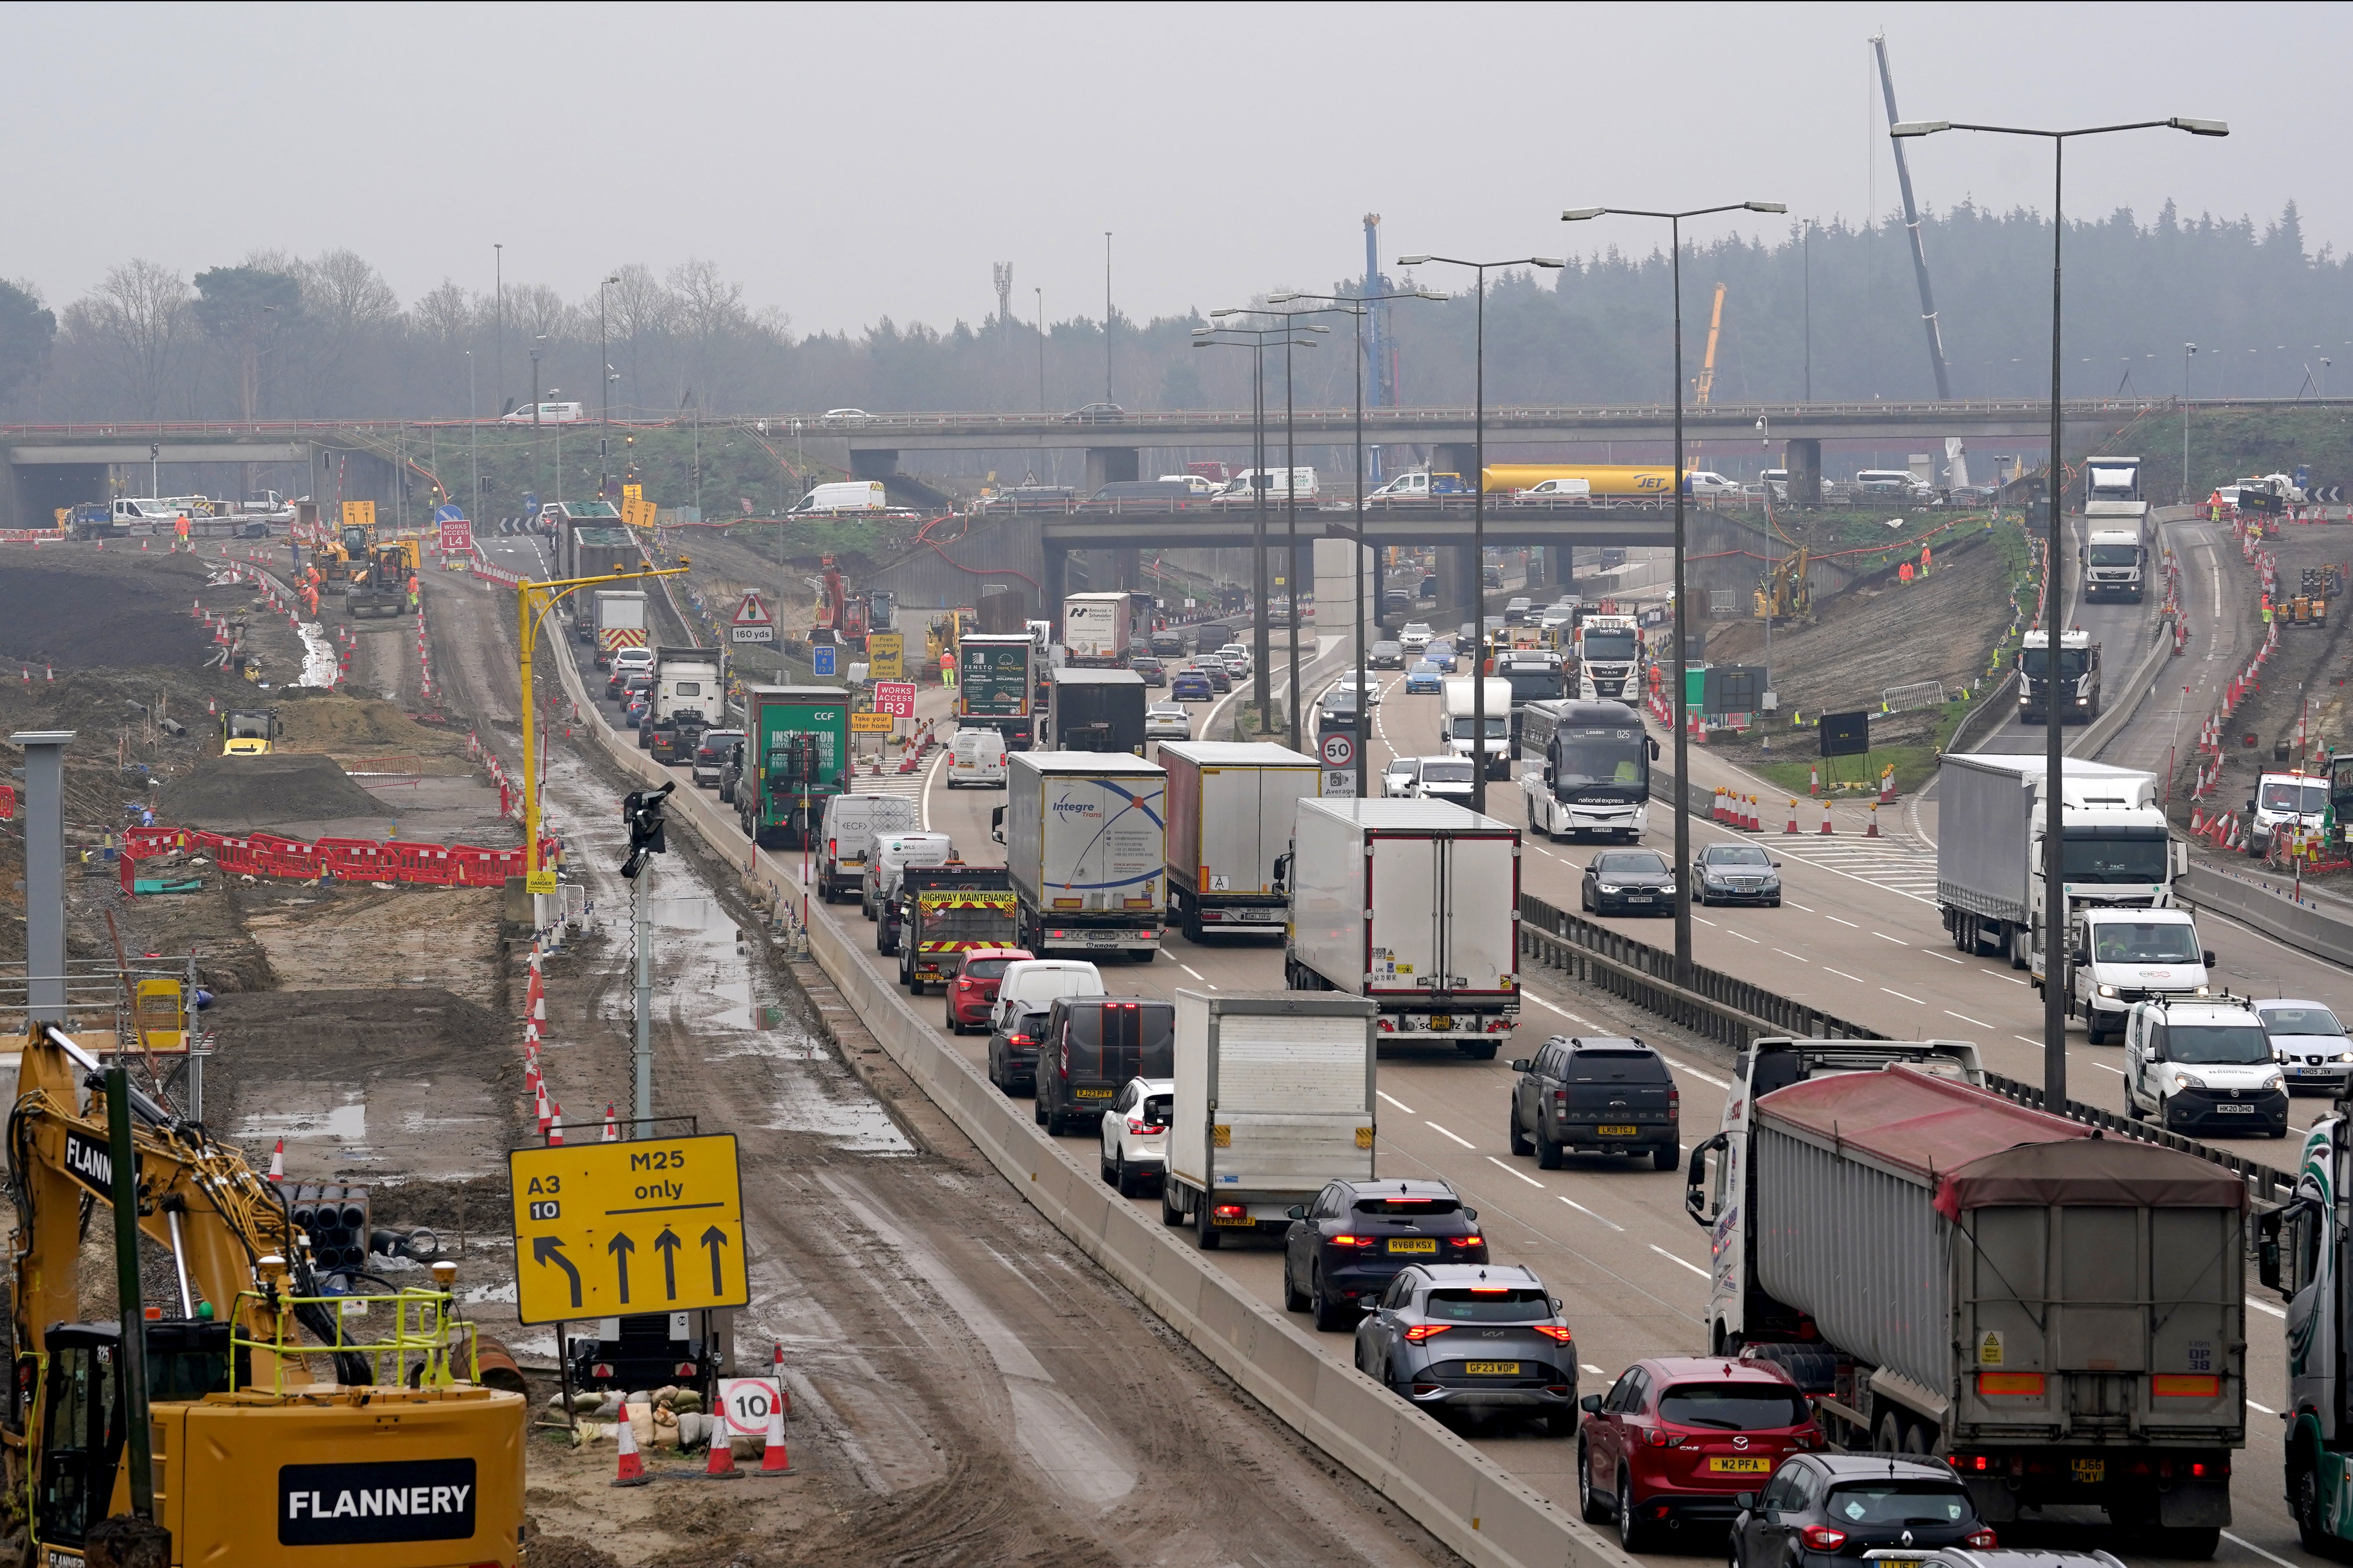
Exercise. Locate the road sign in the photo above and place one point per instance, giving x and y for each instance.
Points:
(821, 659)
(1339, 750)
(539, 882)
(359, 514)
(896, 697)
(456, 535)
(752, 623)
(744, 1404)
(602, 1229)
(872, 723)
(1339, 783)
(885, 654)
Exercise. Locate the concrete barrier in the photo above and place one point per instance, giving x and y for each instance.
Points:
(1465, 1499)
(2274, 914)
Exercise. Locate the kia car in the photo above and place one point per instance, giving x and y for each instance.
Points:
(1343, 1249)
(1480, 1339)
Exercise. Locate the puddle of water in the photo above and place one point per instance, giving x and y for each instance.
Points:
(842, 1112)
(346, 1124)
(494, 1292)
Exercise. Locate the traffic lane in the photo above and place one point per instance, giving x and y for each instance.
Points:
(2119, 626)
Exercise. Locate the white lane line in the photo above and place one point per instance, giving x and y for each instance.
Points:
(1193, 972)
(1464, 1141)
(1521, 1174)
(1703, 920)
(1589, 1214)
(1564, 1012)
(2022, 1040)
(2014, 978)
(1901, 997)
(1588, 1366)
(1746, 936)
(1849, 924)
(1686, 1262)
(1787, 953)
(1897, 940)
(1948, 957)
(1843, 975)
(1704, 1077)
(1393, 1100)
(2251, 1546)
(1795, 905)
(1965, 1019)
(2264, 1408)
(2267, 1307)
(2104, 1066)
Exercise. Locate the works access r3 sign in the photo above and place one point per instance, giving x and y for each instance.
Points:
(605, 1229)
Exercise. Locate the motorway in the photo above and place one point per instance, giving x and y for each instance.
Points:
(1859, 935)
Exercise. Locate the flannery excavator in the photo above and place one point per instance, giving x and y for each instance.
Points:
(288, 1426)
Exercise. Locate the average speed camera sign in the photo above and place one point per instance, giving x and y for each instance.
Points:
(1339, 750)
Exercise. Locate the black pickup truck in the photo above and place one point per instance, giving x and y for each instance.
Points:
(1601, 1096)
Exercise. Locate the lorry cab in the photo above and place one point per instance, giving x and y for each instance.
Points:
(2114, 562)
(2203, 1065)
(1460, 717)
(2079, 676)
(2294, 802)
(2122, 957)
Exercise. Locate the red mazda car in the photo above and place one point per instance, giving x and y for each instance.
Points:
(972, 995)
(1678, 1438)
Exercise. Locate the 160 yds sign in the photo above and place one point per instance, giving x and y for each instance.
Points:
(602, 1229)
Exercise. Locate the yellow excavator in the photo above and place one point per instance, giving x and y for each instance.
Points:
(1785, 592)
(288, 1426)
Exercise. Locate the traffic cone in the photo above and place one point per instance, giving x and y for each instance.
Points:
(278, 1162)
(612, 1124)
(773, 1460)
(721, 1467)
(1873, 831)
(1793, 816)
(1826, 819)
(556, 1129)
(633, 1464)
(1755, 816)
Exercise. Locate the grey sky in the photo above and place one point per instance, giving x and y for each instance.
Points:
(848, 163)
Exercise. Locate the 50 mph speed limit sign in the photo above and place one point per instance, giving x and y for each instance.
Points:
(1339, 750)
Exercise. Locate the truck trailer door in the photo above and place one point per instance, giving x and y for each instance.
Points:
(1476, 906)
(1405, 924)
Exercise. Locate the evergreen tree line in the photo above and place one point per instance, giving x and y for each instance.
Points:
(1827, 308)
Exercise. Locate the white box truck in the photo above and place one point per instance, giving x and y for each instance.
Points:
(1274, 1098)
(1231, 807)
(690, 697)
(1459, 717)
(1414, 904)
(1096, 629)
(1085, 848)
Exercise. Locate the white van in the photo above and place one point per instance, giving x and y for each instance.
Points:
(1301, 483)
(892, 853)
(977, 758)
(848, 832)
(1031, 983)
(546, 414)
(1556, 489)
(843, 495)
(1460, 711)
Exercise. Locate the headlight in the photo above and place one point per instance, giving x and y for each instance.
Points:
(2342, 1057)
(2107, 990)
(1611, 887)
(2277, 1080)
(2188, 1080)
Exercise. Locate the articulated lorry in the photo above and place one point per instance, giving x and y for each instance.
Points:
(996, 677)
(690, 697)
(795, 759)
(2079, 677)
(620, 622)
(1609, 664)
(2305, 1252)
(2118, 531)
(1096, 629)
(1231, 809)
(1086, 850)
(2059, 1315)
(1414, 904)
(1273, 1100)
(2113, 498)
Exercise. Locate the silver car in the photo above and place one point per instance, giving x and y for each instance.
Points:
(1167, 721)
(1485, 1337)
(2309, 1043)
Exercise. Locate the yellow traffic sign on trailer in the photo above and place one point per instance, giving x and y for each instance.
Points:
(603, 1229)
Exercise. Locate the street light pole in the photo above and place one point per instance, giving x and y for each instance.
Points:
(1682, 599)
(2187, 350)
(604, 435)
(2056, 981)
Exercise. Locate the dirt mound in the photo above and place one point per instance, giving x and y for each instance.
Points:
(349, 724)
(238, 794)
(81, 619)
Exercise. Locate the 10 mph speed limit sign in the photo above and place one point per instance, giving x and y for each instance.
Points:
(1339, 750)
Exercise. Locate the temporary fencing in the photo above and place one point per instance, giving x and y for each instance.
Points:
(341, 859)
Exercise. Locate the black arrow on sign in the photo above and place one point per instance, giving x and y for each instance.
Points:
(714, 1238)
(547, 1249)
(667, 1244)
(620, 1247)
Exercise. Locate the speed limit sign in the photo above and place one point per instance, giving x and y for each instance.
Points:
(1339, 750)
(744, 1404)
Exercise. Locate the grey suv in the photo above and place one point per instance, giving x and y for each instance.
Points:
(1607, 1096)
(1484, 1339)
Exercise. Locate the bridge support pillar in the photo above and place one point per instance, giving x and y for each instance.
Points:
(1461, 458)
(873, 463)
(1126, 569)
(1561, 566)
(1107, 465)
(1803, 458)
(1053, 585)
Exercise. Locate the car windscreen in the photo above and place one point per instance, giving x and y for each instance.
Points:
(1474, 1305)
(1643, 864)
(2300, 1021)
(2115, 554)
(1897, 1502)
(2116, 855)
(1445, 773)
(2283, 797)
(1409, 1208)
(1613, 643)
(985, 968)
(1111, 1042)
(1738, 854)
(1617, 1067)
(1734, 1406)
(2073, 662)
(2145, 942)
(2217, 1044)
(1603, 755)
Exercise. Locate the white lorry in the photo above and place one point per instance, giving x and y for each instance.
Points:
(1096, 629)
(1086, 851)
(1414, 904)
(690, 697)
(1459, 718)
(1610, 660)
(2078, 694)
(2113, 498)
(2115, 564)
(1232, 808)
(1274, 1098)
(620, 622)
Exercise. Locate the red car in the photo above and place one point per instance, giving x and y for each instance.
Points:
(972, 995)
(1679, 1439)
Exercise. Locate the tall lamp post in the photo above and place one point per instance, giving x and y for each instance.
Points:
(1357, 307)
(2055, 981)
(1479, 510)
(605, 435)
(2187, 350)
(1682, 599)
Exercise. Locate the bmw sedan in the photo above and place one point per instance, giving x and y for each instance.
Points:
(1343, 1249)
(1629, 882)
(1482, 1339)
(1737, 874)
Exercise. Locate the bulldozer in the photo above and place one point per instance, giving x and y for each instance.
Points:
(397, 1456)
(1785, 592)
(380, 588)
(250, 731)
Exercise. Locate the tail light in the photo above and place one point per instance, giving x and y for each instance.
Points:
(1140, 1127)
(963, 983)
(1557, 1333)
(1977, 1462)
(1822, 1538)
(1983, 1540)
(1021, 1040)
(1658, 1439)
(833, 848)
(1674, 1102)
(1560, 1097)
(1229, 1211)
(1466, 1241)
(1356, 1241)
(1420, 1331)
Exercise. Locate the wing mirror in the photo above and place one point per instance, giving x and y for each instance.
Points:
(2208, 956)
(1655, 748)
(1471, 1215)
(996, 824)
(1744, 1501)
(2267, 1249)
(1297, 1210)
(1590, 1404)
(1524, 1064)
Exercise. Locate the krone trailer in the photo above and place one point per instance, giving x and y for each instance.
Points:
(1231, 807)
(1274, 1098)
(1086, 851)
(2060, 1316)
(1414, 904)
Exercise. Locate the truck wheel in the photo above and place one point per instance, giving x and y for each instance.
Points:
(1330, 1316)
(1170, 1215)
(1889, 1437)
(1520, 1145)
(1547, 1151)
(2303, 1501)
(1205, 1231)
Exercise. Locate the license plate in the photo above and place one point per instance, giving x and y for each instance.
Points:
(2227, 1110)
(1637, 898)
(2091, 1471)
(1491, 1368)
(1240, 1219)
(1091, 1093)
(1443, 1021)
(1619, 1131)
(1740, 1467)
(1407, 1243)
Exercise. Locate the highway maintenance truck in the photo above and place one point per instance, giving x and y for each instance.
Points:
(2079, 676)
(620, 622)
(1273, 1100)
(944, 911)
(796, 758)
(1414, 904)
(1085, 848)
(1232, 808)
(2059, 1315)
(995, 682)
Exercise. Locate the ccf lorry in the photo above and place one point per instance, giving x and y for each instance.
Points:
(1274, 1098)
(1085, 848)
(795, 759)
(1414, 904)
(1231, 809)
(2060, 1316)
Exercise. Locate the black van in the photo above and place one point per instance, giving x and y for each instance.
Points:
(1091, 1048)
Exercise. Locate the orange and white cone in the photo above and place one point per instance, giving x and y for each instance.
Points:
(773, 1460)
(1793, 816)
(633, 1465)
(1826, 820)
(1873, 831)
(556, 1129)
(278, 1162)
(612, 1124)
(721, 1467)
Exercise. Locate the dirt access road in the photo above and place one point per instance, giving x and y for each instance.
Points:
(970, 1387)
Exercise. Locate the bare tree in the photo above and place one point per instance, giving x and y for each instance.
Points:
(642, 311)
(346, 305)
(137, 323)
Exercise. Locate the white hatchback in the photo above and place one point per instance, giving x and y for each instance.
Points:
(1135, 1151)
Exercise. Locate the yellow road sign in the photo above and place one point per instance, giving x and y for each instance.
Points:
(359, 514)
(884, 654)
(870, 724)
(602, 1229)
(539, 882)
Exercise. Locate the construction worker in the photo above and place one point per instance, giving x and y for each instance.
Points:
(183, 530)
(412, 592)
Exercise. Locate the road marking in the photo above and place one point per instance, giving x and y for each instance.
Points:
(1704, 1077)
(2267, 1307)
(1521, 1174)
(2118, 1071)
(2014, 978)
(1746, 936)
(1965, 1019)
(1703, 920)
(1948, 957)
(1843, 975)
(2023, 1040)
(1849, 924)
(1564, 1012)
(1393, 1100)
(1588, 1366)
(1464, 1141)
(1589, 1214)
(1901, 997)
(1897, 940)
(1795, 905)
(1193, 972)
(2264, 1408)
(1686, 1262)
(1787, 953)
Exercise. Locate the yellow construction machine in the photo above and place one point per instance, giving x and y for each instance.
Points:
(288, 1426)
(250, 731)
(1786, 592)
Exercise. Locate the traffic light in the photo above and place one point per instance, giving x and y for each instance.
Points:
(642, 811)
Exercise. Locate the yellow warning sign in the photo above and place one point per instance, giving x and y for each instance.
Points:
(870, 724)
(885, 655)
(359, 514)
(602, 1229)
